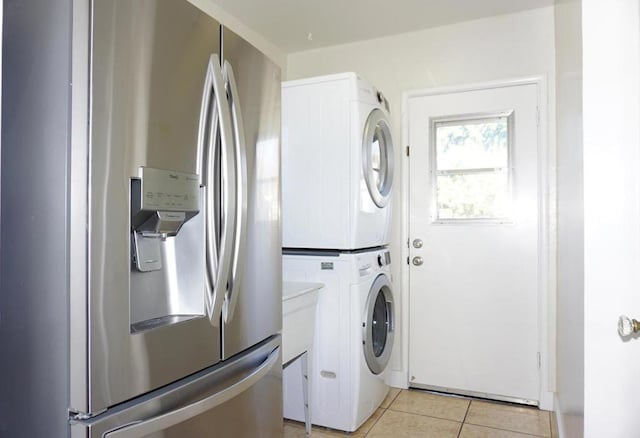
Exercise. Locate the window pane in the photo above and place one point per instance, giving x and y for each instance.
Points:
(473, 196)
(472, 144)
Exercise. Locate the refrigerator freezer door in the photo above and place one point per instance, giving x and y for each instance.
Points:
(241, 398)
(149, 328)
(254, 310)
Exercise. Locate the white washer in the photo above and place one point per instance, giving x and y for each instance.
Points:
(353, 337)
(337, 164)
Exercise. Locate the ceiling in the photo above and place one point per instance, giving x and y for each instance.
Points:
(297, 25)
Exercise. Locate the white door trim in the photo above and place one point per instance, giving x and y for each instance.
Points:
(546, 232)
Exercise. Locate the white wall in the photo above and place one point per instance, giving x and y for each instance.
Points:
(611, 93)
(259, 41)
(570, 257)
(496, 48)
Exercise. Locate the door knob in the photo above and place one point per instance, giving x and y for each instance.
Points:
(627, 326)
(417, 243)
(417, 261)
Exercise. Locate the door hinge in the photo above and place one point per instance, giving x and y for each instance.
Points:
(80, 416)
(407, 151)
(539, 360)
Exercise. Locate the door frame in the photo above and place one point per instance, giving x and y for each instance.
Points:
(546, 231)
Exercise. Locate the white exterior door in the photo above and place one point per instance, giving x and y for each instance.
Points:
(475, 242)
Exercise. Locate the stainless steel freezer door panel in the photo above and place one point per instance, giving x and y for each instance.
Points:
(149, 64)
(241, 398)
(258, 310)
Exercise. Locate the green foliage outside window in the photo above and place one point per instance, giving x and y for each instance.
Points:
(472, 169)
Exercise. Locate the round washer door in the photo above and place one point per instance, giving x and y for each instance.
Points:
(377, 157)
(378, 325)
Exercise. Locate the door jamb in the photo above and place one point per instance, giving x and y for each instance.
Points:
(546, 231)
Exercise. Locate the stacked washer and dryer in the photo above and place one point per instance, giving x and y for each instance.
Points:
(337, 174)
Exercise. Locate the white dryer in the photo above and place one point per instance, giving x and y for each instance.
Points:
(337, 164)
(353, 337)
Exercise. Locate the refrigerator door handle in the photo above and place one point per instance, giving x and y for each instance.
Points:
(218, 261)
(203, 122)
(241, 191)
(165, 421)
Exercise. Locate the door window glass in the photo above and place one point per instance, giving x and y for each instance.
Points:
(378, 158)
(472, 171)
(377, 341)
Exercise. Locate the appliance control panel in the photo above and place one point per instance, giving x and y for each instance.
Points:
(163, 190)
(163, 200)
(373, 262)
(384, 259)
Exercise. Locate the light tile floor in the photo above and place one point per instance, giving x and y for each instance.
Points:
(414, 413)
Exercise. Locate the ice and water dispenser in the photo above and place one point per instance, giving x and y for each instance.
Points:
(167, 249)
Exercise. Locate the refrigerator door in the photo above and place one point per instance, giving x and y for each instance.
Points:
(155, 118)
(241, 398)
(253, 304)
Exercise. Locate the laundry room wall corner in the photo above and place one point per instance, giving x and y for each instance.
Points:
(276, 54)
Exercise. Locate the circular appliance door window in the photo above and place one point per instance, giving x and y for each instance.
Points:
(378, 325)
(377, 153)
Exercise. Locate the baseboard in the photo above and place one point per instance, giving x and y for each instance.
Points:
(546, 401)
(568, 425)
(397, 379)
(554, 425)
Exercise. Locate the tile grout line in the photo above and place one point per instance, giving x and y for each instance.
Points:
(465, 418)
(383, 411)
(394, 398)
(375, 422)
(506, 430)
(423, 415)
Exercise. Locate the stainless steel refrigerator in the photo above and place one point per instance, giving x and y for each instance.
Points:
(156, 183)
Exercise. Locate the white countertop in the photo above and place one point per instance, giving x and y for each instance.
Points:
(292, 289)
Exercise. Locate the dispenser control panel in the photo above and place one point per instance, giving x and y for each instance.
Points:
(168, 190)
(162, 201)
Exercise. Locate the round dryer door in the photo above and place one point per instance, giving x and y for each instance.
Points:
(377, 157)
(378, 325)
